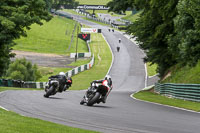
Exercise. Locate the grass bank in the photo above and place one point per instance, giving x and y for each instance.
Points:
(156, 98)
(11, 122)
(52, 37)
(103, 59)
(184, 74)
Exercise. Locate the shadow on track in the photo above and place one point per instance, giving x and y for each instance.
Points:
(55, 98)
(100, 106)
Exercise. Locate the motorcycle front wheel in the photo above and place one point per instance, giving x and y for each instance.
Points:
(94, 99)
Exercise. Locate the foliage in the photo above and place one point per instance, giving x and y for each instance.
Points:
(15, 17)
(119, 6)
(151, 69)
(23, 70)
(152, 30)
(185, 42)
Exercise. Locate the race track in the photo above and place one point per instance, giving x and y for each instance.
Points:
(121, 113)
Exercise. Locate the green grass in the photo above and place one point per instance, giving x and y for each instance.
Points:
(184, 74)
(151, 69)
(101, 66)
(52, 37)
(11, 122)
(80, 62)
(153, 97)
(93, 2)
(131, 17)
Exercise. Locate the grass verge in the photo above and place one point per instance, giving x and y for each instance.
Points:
(52, 37)
(103, 59)
(151, 69)
(156, 98)
(184, 74)
(11, 122)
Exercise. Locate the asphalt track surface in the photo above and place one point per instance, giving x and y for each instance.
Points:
(121, 114)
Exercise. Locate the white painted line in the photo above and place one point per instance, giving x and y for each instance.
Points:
(164, 105)
(4, 108)
(146, 75)
(111, 52)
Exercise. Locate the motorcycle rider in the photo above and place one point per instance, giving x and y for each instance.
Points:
(63, 81)
(106, 79)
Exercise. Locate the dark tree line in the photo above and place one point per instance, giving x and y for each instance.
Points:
(168, 31)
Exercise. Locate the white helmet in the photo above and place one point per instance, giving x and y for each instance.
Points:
(62, 73)
(107, 77)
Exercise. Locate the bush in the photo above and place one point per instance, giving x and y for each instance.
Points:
(21, 69)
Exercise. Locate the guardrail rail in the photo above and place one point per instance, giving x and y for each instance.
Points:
(181, 91)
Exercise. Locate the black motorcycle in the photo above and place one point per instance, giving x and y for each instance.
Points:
(95, 93)
(53, 86)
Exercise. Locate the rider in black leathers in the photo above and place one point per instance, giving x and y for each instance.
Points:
(64, 82)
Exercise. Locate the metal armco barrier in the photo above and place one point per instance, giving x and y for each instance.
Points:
(181, 91)
(11, 83)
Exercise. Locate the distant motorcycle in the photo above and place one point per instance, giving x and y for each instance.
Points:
(54, 86)
(95, 93)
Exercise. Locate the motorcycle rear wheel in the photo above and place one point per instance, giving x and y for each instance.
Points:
(94, 99)
(48, 93)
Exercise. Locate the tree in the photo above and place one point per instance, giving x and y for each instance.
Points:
(185, 42)
(152, 30)
(21, 69)
(15, 17)
(119, 6)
